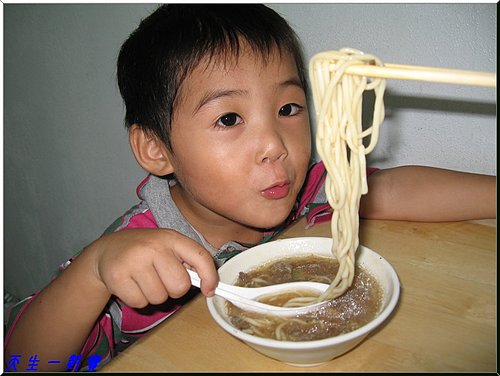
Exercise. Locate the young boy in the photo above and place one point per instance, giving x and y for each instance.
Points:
(216, 109)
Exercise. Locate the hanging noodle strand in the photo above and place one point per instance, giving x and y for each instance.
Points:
(338, 101)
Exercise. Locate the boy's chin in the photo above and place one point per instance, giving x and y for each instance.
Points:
(269, 224)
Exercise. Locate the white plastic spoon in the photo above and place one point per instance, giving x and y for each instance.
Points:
(245, 297)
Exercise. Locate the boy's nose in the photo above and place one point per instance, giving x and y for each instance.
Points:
(272, 146)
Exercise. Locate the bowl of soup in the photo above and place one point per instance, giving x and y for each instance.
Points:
(324, 334)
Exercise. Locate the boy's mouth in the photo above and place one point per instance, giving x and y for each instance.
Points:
(276, 191)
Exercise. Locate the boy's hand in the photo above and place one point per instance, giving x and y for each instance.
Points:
(146, 266)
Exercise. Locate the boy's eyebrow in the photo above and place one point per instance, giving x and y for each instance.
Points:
(292, 82)
(216, 94)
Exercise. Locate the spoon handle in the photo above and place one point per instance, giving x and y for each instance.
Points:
(195, 278)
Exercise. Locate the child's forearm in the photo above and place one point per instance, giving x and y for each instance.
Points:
(58, 321)
(429, 194)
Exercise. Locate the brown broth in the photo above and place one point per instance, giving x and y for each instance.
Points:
(359, 305)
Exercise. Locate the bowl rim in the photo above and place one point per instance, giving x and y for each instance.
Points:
(342, 338)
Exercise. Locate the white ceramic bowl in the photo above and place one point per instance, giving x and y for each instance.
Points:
(306, 353)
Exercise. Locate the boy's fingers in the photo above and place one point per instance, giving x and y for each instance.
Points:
(152, 287)
(130, 293)
(194, 255)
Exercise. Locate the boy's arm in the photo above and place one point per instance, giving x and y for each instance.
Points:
(139, 266)
(417, 193)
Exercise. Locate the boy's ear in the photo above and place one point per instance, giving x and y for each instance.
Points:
(149, 151)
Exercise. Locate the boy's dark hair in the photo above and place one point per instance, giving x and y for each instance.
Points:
(171, 42)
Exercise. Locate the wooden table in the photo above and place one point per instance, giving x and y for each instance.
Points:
(445, 320)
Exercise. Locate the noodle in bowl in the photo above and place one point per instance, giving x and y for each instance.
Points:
(305, 353)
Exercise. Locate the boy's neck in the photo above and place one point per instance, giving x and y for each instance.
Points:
(215, 229)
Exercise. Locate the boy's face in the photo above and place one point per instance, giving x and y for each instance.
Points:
(241, 142)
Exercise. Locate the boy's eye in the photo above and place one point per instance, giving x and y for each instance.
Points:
(229, 120)
(289, 109)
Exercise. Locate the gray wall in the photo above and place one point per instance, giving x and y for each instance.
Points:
(68, 170)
